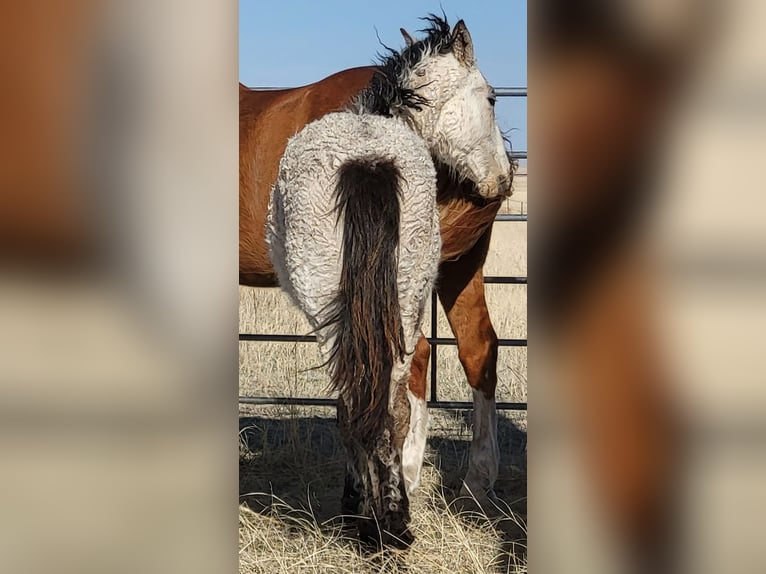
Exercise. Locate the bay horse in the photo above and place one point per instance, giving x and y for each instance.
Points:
(362, 271)
(467, 202)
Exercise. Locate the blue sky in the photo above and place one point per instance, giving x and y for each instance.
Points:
(296, 42)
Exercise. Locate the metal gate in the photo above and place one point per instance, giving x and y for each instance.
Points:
(434, 339)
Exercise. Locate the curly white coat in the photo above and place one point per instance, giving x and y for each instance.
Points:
(305, 237)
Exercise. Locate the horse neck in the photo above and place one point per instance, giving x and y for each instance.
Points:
(423, 129)
(423, 121)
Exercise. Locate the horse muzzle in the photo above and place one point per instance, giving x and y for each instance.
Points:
(492, 187)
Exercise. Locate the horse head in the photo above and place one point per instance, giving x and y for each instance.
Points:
(435, 86)
(457, 116)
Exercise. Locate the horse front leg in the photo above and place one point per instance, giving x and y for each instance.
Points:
(461, 292)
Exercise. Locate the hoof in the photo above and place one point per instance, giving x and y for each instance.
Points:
(478, 493)
(482, 500)
(374, 537)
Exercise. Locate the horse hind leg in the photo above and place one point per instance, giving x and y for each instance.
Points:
(376, 490)
(389, 510)
(414, 447)
(352, 489)
(354, 485)
(374, 495)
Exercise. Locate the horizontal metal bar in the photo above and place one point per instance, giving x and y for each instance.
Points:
(505, 280)
(296, 401)
(266, 337)
(506, 92)
(464, 405)
(500, 91)
(275, 338)
(519, 154)
(319, 402)
(500, 342)
(511, 217)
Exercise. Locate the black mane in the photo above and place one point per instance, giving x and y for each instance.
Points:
(385, 92)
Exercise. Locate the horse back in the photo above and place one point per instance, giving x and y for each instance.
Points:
(267, 119)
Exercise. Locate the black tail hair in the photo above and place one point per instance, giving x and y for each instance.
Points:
(364, 317)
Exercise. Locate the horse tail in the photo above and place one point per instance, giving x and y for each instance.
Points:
(365, 317)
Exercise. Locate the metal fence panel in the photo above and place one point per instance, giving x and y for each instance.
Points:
(434, 339)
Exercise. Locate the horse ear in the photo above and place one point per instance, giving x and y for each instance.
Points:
(407, 38)
(462, 45)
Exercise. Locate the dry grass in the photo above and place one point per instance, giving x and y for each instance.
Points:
(291, 477)
(290, 540)
(292, 463)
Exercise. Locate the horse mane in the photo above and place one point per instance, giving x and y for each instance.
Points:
(386, 91)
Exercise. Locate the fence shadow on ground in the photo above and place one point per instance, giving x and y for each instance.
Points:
(300, 461)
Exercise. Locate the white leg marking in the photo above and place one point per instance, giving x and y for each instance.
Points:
(415, 442)
(484, 453)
